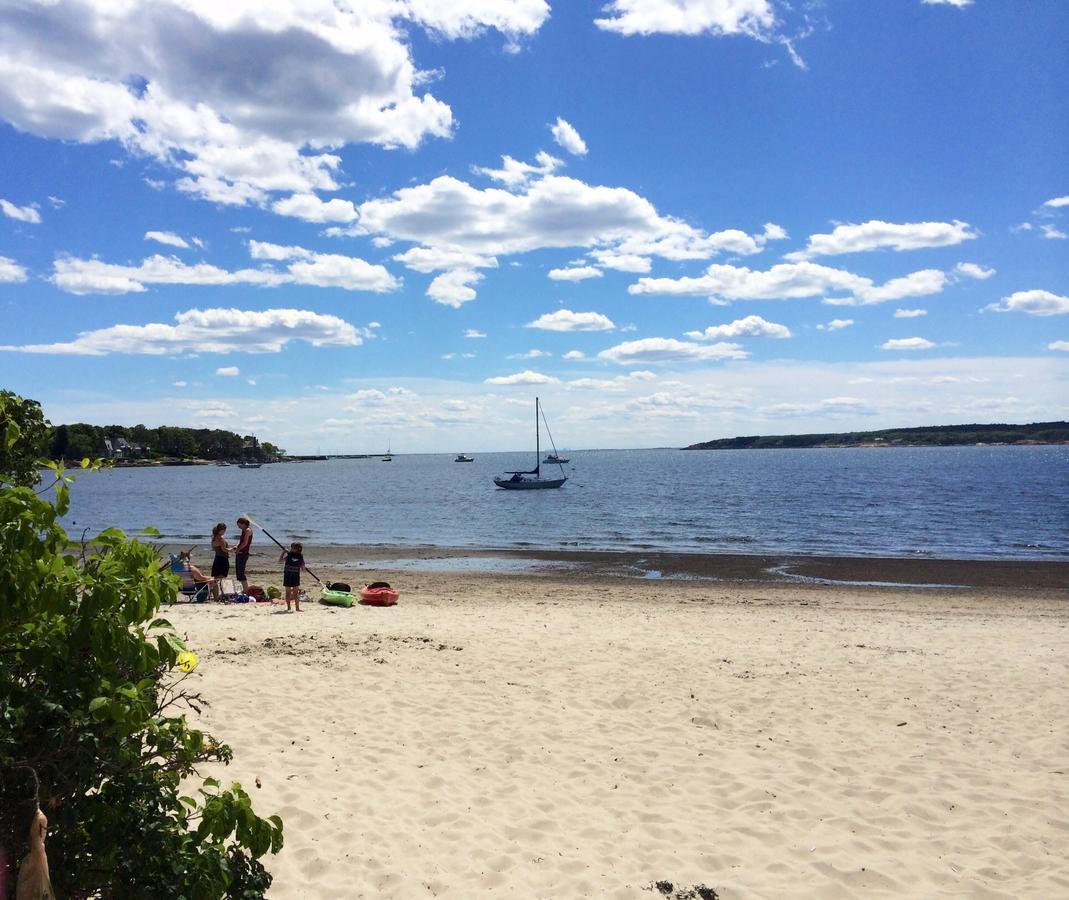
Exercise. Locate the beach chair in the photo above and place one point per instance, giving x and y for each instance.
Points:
(195, 590)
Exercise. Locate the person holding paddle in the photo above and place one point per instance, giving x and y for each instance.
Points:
(293, 560)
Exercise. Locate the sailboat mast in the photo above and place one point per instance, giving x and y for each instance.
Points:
(538, 446)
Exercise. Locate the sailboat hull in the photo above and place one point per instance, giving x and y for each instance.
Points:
(529, 484)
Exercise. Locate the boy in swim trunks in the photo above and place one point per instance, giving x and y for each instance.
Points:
(293, 562)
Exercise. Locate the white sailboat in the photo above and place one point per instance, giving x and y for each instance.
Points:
(532, 479)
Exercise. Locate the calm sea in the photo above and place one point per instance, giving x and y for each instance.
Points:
(963, 502)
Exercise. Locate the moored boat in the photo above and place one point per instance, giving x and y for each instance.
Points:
(532, 480)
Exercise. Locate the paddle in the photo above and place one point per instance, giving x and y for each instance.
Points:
(252, 521)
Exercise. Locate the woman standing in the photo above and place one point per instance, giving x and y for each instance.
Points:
(221, 563)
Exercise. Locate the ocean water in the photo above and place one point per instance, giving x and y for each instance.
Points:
(960, 502)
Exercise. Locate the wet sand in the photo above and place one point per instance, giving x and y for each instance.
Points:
(785, 568)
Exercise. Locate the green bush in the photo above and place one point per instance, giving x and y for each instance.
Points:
(92, 722)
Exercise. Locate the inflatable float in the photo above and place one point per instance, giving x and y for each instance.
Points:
(378, 594)
(337, 594)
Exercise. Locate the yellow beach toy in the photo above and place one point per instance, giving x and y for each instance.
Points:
(187, 660)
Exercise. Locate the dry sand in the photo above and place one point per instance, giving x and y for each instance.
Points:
(528, 736)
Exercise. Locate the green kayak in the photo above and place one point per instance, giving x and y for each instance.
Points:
(337, 598)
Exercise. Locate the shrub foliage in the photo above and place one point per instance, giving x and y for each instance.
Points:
(93, 724)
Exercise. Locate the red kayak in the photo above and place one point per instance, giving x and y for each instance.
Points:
(378, 594)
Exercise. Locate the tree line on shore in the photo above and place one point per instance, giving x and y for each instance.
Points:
(924, 436)
(79, 440)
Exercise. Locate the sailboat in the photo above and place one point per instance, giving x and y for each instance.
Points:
(388, 457)
(522, 481)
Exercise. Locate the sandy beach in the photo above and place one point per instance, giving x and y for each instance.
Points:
(555, 734)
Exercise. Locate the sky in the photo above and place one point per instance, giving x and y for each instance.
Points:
(346, 226)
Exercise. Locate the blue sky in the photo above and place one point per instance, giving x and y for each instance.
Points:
(673, 220)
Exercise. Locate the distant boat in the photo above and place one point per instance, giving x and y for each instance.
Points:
(553, 459)
(388, 456)
(461, 457)
(249, 465)
(222, 464)
(523, 481)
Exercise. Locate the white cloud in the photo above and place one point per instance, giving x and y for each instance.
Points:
(515, 173)
(472, 333)
(228, 371)
(551, 212)
(527, 377)
(348, 272)
(454, 288)
(793, 281)
(265, 250)
(618, 384)
(755, 18)
(751, 326)
(576, 273)
(654, 350)
(57, 202)
(568, 138)
(913, 343)
(972, 270)
(530, 354)
(91, 276)
(1035, 303)
(836, 325)
(1057, 202)
(210, 331)
(960, 4)
(574, 354)
(566, 320)
(243, 97)
(310, 208)
(11, 271)
(621, 262)
(166, 237)
(181, 384)
(910, 313)
(877, 235)
(1059, 345)
(20, 213)
(1052, 233)
(436, 259)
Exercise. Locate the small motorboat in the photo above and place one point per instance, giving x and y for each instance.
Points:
(552, 458)
(378, 594)
(249, 465)
(463, 457)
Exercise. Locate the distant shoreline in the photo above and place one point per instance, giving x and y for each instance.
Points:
(996, 434)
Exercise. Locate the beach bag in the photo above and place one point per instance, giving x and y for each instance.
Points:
(240, 598)
(258, 593)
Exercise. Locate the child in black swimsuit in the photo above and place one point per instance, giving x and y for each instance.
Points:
(293, 560)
